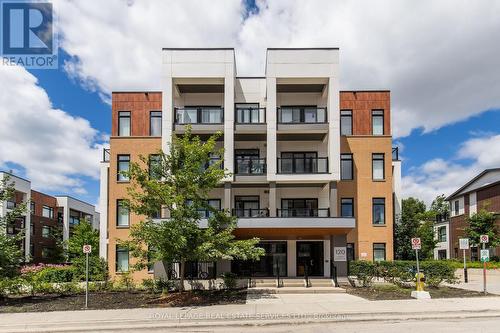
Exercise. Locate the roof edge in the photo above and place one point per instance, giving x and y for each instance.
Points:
(454, 194)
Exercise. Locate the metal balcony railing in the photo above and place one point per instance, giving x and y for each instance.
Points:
(250, 115)
(395, 153)
(301, 115)
(251, 212)
(302, 165)
(199, 115)
(250, 166)
(106, 155)
(304, 212)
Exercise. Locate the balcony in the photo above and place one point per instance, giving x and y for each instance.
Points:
(301, 115)
(205, 119)
(395, 153)
(250, 166)
(304, 212)
(105, 155)
(250, 115)
(250, 123)
(302, 123)
(251, 212)
(304, 165)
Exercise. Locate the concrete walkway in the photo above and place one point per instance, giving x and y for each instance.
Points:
(475, 278)
(264, 310)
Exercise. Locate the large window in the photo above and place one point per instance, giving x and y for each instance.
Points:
(378, 211)
(457, 207)
(155, 123)
(122, 213)
(346, 167)
(378, 122)
(45, 231)
(249, 113)
(32, 207)
(378, 167)
(301, 207)
(123, 167)
(346, 122)
(347, 207)
(154, 166)
(124, 123)
(378, 251)
(48, 212)
(301, 114)
(248, 206)
(442, 234)
(121, 259)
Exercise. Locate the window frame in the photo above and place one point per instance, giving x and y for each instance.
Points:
(378, 113)
(384, 249)
(346, 114)
(342, 205)
(46, 228)
(120, 249)
(440, 238)
(124, 115)
(351, 159)
(118, 207)
(51, 212)
(151, 117)
(118, 169)
(374, 204)
(378, 159)
(456, 207)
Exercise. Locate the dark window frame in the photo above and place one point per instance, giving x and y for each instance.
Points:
(51, 211)
(378, 158)
(302, 115)
(442, 237)
(385, 250)
(118, 162)
(351, 158)
(378, 113)
(374, 204)
(151, 158)
(151, 117)
(121, 115)
(121, 249)
(457, 207)
(237, 106)
(118, 206)
(351, 204)
(199, 114)
(347, 114)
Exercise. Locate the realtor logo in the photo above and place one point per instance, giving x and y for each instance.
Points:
(28, 37)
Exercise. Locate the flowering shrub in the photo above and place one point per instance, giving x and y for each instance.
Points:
(28, 269)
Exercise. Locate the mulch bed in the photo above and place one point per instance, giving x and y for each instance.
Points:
(392, 292)
(120, 300)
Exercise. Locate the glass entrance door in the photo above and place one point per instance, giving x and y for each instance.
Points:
(310, 257)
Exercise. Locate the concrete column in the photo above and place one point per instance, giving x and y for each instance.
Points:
(27, 225)
(227, 196)
(272, 199)
(229, 120)
(66, 221)
(167, 112)
(103, 203)
(291, 258)
(333, 108)
(271, 127)
(396, 189)
(333, 200)
(339, 241)
(327, 257)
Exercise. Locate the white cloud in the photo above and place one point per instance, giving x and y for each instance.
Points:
(53, 147)
(439, 58)
(438, 176)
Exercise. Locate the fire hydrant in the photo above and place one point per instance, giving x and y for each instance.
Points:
(420, 277)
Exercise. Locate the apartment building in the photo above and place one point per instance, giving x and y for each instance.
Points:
(314, 173)
(481, 192)
(49, 218)
(442, 235)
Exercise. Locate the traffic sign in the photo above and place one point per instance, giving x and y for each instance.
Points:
(464, 243)
(485, 255)
(484, 239)
(415, 244)
(87, 248)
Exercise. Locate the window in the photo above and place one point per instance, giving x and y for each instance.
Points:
(378, 122)
(378, 211)
(32, 229)
(11, 204)
(442, 234)
(123, 167)
(121, 259)
(248, 113)
(350, 251)
(124, 123)
(48, 212)
(122, 213)
(299, 207)
(45, 231)
(301, 114)
(347, 207)
(301, 162)
(346, 122)
(346, 167)
(247, 206)
(155, 123)
(378, 251)
(155, 166)
(457, 207)
(32, 207)
(441, 254)
(378, 167)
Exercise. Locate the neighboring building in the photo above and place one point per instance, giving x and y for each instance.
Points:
(442, 235)
(49, 218)
(482, 192)
(313, 167)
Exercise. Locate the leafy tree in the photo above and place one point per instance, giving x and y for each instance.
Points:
(11, 254)
(84, 233)
(482, 223)
(407, 228)
(440, 205)
(180, 181)
(425, 232)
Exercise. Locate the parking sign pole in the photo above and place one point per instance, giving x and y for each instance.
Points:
(484, 271)
(418, 267)
(465, 269)
(86, 280)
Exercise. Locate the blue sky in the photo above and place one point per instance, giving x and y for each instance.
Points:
(445, 101)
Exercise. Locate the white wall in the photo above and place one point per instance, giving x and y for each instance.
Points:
(472, 203)
(461, 208)
(442, 245)
(396, 188)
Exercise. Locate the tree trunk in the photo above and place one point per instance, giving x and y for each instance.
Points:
(181, 275)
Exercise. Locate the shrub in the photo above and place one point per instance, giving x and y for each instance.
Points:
(57, 274)
(437, 271)
(158, 285)
(126, 281)
(363, 271)
(228, 280)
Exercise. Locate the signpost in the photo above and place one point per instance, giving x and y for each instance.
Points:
(464, 245)
(87, 249)
(484, 239)
(416, 245)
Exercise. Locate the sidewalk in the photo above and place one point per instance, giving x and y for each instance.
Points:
(264, 310)
(475, 278)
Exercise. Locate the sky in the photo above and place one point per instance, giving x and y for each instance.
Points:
(440, 59)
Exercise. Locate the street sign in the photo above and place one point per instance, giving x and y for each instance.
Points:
(87, 248)
(485, 255)
(464, 243)
(340, 253)
(484, 239)
(415, 244)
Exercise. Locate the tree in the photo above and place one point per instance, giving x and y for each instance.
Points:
(482, 223)
(11, 254)
(440, 206)
(411, 215)
(83, 234)
(425, 232)
(180, 182)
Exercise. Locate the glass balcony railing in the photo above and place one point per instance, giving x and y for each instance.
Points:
(251, 212)
(301, 115)
(304, 212)
(199, 115)
(250, 115)
(303, 165)
(250, 166)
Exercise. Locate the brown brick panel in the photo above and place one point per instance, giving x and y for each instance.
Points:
(140, 104)
(489, 198)
(362, 103)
